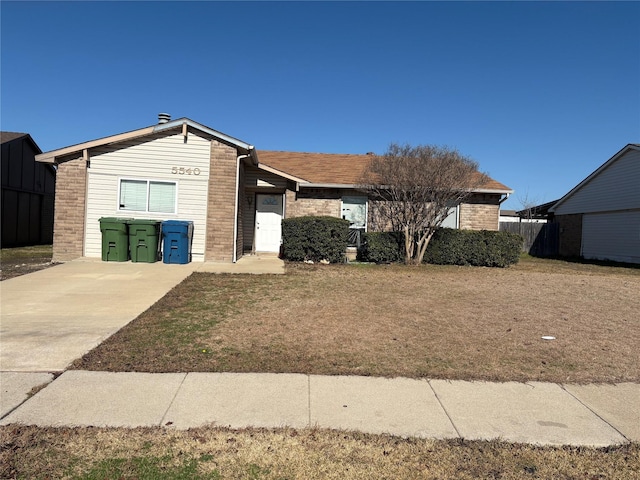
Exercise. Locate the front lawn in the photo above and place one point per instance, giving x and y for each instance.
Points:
(429, 321)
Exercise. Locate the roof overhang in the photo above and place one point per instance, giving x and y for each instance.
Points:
(280, 173)
(182, 123)
(492, 190)
(329, 185)
(355, 186)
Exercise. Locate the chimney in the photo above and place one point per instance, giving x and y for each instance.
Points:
(164, 118)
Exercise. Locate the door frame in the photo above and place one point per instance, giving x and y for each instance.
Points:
(255, 220)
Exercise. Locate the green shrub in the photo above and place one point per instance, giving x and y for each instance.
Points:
(382, 247)
(447, 247)
(477, 248)
(315, 238)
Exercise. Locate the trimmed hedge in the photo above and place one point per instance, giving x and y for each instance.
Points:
(315, 238)
(382, 247)
(448, 247)
(478, 248)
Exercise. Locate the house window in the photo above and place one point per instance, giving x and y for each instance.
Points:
(147, 196)
(452, 220)
(354, 209)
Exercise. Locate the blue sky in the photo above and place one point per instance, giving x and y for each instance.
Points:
(540, 93)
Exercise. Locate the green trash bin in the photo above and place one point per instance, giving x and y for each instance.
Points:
(143, 240)
(115, 240)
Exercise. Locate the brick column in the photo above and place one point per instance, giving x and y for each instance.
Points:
(479, 217)
(480, 212)
(69, 212)
(221, 203)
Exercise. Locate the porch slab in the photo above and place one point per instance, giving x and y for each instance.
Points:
(259, 264)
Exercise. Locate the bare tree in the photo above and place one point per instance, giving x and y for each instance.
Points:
(413, 189)
(528, 204)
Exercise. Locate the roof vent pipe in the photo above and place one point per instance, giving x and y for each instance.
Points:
(164, 118)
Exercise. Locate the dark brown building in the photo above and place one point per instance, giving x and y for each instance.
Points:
(28, 191)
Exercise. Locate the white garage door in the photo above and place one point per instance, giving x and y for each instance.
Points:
(612, 236)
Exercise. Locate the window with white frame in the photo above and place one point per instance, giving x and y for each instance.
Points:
(147, 196)
(354, 209)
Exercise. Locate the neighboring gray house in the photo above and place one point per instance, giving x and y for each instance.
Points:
(600, 218)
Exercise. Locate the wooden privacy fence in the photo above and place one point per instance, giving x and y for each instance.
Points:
(540, 239)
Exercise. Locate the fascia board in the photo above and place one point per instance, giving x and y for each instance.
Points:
(355, 186)
(51, 156)
(280, 173)
(490, 190)
(209, 131)
(328, 185)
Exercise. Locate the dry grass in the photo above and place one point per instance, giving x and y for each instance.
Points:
(18, 261)
(435, 322)
(31, 452)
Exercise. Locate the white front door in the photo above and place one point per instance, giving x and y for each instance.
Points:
(268, 223)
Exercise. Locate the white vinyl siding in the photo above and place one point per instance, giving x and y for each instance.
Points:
(149, 158)
(616, 187)
(612, 236)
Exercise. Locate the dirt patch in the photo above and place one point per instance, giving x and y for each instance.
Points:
(19, 261)
(429, 321)
(31, 452)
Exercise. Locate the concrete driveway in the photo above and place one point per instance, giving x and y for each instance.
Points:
(51, 317)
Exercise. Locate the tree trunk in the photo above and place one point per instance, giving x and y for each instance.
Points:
(424, 243)
(408, 245)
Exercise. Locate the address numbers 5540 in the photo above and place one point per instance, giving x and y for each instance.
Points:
(185, 171)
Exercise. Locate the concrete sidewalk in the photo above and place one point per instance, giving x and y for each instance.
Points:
(537, 413)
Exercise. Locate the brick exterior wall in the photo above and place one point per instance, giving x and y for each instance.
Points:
(69, 212)
(480, 212)
(375, 221)
(570, 226)
(314, 202)
(221, 203)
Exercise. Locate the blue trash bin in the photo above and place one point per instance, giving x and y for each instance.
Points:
(176, 241)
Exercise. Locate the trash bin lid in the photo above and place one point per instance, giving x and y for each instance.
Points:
(115, 219)
(182, 223)
(142, 221)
